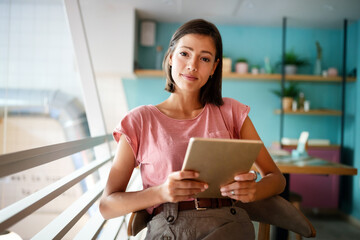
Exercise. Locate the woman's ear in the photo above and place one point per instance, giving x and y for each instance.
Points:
(214, 67)
(170, 60)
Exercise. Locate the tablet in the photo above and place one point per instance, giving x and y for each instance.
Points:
(218, 160)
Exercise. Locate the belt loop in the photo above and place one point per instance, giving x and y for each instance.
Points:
(171, 212)
(219, 200)
(213, 203)
(233, 202)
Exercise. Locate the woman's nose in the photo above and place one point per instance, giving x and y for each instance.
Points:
(192, 65)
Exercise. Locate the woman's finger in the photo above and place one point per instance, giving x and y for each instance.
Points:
(250, 176)
(180, 175)
(238, 192)
(188, 184)
(237, 185)
(187, 192)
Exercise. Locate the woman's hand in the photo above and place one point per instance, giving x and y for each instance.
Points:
(181, 186)
(242, 189)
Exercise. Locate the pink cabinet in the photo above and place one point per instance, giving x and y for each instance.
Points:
(318, 191)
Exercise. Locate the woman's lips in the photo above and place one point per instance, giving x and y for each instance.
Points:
(189, 77)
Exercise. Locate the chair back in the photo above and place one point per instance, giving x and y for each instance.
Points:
(281, 213)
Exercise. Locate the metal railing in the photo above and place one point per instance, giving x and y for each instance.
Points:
(19, 161)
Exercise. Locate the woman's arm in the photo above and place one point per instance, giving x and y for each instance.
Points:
(116, 202)
(245, 187)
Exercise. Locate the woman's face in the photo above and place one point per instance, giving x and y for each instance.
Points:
(193, 61)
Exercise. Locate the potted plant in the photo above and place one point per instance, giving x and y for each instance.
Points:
(290, 92)
(255, 69)
(241, 66)
(292, 61)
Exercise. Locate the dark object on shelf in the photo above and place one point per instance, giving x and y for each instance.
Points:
(352, 73)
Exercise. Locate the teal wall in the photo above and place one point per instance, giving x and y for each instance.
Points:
(349, 185)
(258, 96)
(352, 202)
(356, 190)
(255, 43)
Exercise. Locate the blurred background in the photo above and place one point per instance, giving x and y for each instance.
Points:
(65, 77)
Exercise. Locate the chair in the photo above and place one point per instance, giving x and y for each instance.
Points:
(264, 228)
(278, 212)
(272, 211)
(296, 200)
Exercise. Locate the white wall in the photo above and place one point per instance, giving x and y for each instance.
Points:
(109, 34)
(110, 28)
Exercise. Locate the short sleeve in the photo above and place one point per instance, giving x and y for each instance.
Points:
(130, 127)
(235, 115)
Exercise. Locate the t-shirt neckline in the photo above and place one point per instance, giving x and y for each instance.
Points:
(175, 119)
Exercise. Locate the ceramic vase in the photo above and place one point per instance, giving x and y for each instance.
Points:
(317, 67)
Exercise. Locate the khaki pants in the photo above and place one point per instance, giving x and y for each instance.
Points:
(211, 224)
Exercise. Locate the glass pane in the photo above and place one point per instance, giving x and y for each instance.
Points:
(40, 92)
(41, 103)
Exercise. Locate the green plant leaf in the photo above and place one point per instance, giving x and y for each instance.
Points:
(292, 58)
(291, 90)
(241, 60)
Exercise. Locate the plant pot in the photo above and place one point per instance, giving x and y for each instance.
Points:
(287, 103)
(241, 67)
(332, 72)
(290, 69)
(255, 70)
(226, 65)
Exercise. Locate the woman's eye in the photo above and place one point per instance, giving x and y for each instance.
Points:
(183, 54)
(205, 59)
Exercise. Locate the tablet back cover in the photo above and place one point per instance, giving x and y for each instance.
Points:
(218, 160)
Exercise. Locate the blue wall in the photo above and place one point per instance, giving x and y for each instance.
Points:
(255, 43)
(258, 96)
(352, 203)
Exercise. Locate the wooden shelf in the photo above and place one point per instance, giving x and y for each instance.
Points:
(259, 77)
(313, 78)
(149, 73)
(309, 146)
(323, 112)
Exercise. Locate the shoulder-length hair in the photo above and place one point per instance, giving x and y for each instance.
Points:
(211, 91)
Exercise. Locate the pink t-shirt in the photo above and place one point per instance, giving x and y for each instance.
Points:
(159, 142)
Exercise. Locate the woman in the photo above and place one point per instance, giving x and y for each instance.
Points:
(156, 137)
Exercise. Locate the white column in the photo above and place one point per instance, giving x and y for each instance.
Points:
(103, 34)
(87, 76)
(93, 108)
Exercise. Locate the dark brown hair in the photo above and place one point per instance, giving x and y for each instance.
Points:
(211, 91)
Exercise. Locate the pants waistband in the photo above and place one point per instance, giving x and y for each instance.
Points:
(198, 204)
